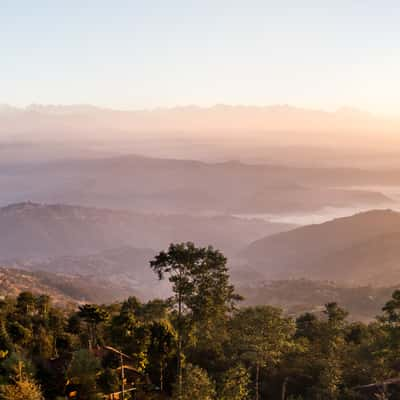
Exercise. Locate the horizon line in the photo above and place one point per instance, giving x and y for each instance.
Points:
(343, 108)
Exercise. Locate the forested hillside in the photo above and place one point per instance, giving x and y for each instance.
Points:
(200, 344)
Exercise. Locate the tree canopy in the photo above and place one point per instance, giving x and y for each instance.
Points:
(200, 344)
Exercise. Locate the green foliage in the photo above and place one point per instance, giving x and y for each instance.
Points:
(161, 347)
(26, 302)
(93, 315)
(261, 336)
(222, 353)
(203, 296)
(391, 309)
(83, 372)
(235, 384)
(196, 385)
(21, 390)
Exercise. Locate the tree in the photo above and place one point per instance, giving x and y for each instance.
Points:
(26, 302)
(162, 343)
(261, 335)
(202, 293)
(196, 385)
(19, 334)
(391, 310)
(21, 390)
(153, 310)
(6, 344)
(390, 321)
(20, 385)
(43, 303)
(331, 350)
(83, 371)
(235, 384)
(129, 333)
(93, 315)
(336, 315)
(307, 326)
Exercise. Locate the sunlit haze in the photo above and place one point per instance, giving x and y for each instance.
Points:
(199, 199)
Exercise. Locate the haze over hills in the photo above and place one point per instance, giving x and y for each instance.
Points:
(272, 134)
(78, 254)
(94, 212)
(185, 186)
(39, 231)
(125, 269)
(345, 258)
(117, 245)
(375, 261)
(362, 249)
(178, 121)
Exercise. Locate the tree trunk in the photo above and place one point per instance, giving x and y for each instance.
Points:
(90, 337)
(161, 376)
(257, 381)
(122, 377)
(179, 361)
(284, 384)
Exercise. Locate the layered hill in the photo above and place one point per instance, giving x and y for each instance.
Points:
(39, 231)
(375, 261)
(361, 249)
(127, 268)
(154, 185)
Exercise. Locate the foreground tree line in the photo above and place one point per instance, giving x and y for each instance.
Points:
(197, 345)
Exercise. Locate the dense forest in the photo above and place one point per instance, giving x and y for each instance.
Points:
(199, 344)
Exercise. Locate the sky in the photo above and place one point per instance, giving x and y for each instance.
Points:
(146, 54)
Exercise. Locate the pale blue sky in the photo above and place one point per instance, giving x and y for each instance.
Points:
(143, 54)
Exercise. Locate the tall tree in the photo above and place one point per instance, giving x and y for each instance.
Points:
(261, 335)
(332, 350)
(202, 292)
(93, 315)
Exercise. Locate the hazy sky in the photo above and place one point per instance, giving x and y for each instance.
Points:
(140, 54)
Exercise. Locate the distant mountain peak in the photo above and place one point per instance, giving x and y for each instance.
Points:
(22, 206)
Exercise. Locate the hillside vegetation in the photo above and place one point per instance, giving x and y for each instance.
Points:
(196, 345)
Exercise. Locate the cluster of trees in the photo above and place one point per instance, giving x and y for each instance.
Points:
(198, 345)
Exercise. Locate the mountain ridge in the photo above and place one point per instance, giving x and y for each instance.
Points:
(293, 124)
(30, 230)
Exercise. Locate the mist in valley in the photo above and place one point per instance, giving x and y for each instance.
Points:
(224, 176)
